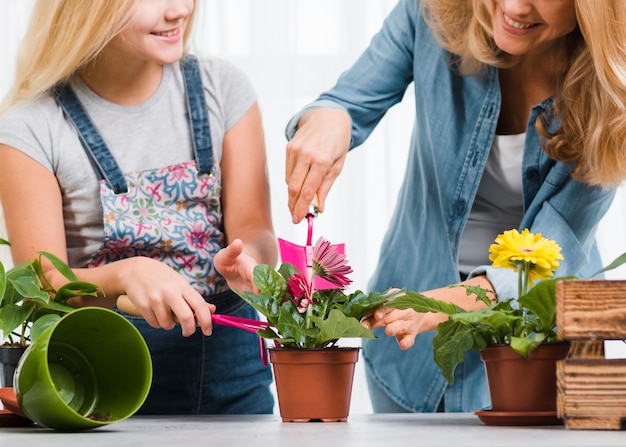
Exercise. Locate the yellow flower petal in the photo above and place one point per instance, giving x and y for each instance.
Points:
(513, 250)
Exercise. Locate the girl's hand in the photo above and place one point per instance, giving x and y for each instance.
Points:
(236, 267)
(164, 297)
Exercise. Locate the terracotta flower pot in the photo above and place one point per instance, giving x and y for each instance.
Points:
(314, 384)
(518, 384)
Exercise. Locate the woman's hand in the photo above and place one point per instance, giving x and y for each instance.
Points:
(315, 157)
(405, 325)
(236, 267)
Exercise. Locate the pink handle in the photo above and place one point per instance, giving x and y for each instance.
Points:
(246, 324)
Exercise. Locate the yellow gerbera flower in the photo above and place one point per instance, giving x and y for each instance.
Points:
(529, 254)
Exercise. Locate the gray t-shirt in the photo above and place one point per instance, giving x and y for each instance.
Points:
(153, 134)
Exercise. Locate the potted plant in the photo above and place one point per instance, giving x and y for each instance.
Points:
(521, 331)
(305, 325)
(29, 304)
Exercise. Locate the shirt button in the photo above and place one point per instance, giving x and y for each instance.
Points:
(532, 174)
(460, 207)
(475, 159)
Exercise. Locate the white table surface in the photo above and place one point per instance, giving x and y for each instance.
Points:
(380, 430)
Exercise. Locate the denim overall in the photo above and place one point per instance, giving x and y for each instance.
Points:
(173, 214)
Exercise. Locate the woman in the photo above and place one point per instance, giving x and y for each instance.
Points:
(130, 159)
(520, 123)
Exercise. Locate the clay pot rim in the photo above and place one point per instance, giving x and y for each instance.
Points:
(494, 352)
(331, 348)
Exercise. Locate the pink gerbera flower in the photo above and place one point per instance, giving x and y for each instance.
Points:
(300, 290)
(329, 264)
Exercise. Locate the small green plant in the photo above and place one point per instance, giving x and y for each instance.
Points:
(300, 316)
(523, 324)
(30, 303)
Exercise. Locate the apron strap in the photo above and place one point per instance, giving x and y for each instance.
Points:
(197, 114)
(101, 159)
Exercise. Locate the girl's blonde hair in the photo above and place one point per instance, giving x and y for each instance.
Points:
(590, 100)
(64, 36)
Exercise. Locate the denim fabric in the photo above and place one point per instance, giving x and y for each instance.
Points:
(99, 154)
(456, 118)
(197, 115)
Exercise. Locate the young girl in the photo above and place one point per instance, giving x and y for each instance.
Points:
(137, 163)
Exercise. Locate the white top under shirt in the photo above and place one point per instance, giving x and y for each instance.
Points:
(499, 202)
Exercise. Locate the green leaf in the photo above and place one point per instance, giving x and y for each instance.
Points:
(3, 282)
(61, 266)
(291, 324)
(13, 316)
(358, 304)
(73, 289)
(264, 302)
(28, 287)
(421, 303)
(489, 317)
(484, 295)
(54, 306)
(271, 334)
(270, 281)
(287, 270)
(541, 301)
(525, 345)
(451, 343)
(337, 325)
(616, 263)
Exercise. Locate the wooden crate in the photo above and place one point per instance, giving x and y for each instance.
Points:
(591, 390)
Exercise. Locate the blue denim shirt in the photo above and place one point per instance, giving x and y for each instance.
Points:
(456, 119)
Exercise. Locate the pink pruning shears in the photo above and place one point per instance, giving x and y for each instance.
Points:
(247, 324)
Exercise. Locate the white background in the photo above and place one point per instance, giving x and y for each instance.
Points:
(292, 50)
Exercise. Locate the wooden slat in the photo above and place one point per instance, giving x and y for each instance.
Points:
(591, 393)
(591, 309)
(583, 349)
(595, 423)
(591, 390)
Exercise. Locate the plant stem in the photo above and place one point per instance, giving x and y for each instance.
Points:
(520, 280)
(307, 315)
(526, 277)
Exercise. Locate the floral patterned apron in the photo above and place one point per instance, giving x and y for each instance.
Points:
(172, 214)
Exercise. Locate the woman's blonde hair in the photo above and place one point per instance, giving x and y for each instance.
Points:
(64, 36)
(591, 99)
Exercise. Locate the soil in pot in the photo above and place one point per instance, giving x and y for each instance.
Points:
(314, 384)
(518, 384)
